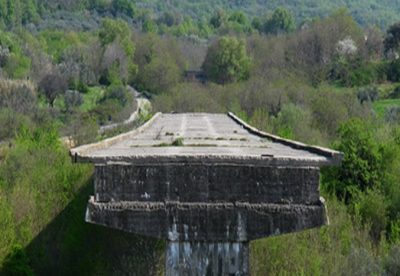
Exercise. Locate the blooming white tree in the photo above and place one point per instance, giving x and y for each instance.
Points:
(346, 47)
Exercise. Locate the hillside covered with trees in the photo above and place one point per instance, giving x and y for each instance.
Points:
(69, 67)
(87, 14)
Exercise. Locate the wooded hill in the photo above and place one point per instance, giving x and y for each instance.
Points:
(86, 14)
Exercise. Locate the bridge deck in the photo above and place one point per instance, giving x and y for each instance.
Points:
(202, 135)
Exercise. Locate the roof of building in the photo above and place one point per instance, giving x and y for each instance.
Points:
(203, 137)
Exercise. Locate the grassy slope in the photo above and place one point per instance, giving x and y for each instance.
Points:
(381, 106)
(43, 200)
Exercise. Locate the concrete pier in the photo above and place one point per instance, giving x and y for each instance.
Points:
(203, 258)
(208, 184)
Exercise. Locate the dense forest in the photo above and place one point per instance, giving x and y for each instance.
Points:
(306, 71)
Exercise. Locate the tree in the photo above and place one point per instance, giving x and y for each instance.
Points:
(52, 85)
(227, 61)
(361, 168)
(149, 26)
(282, 21)
(160, 75)
(170, 19)
(239, 17)
(119, 50)
(112, 30)
(392, 39)
(218, 19)
(123, 6)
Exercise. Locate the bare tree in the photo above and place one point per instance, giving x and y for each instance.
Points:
(52, 85)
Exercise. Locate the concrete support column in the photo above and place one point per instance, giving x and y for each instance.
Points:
(204, 258)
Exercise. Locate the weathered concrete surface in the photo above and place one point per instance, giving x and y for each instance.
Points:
(199, 259)
(206, 183)
(209, 184)
(177, 221)
(224, 181)
(206, 138)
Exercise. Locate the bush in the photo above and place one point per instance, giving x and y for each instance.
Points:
(392, 261)
(17, 263)
(361, 168)
(38, 181)
(395, 94)
(355, 72)
(83, 129)
(72, 100)
(393, 71)
(371, 206)
(18, 96)
(160, 75)
(10, 123)
(368, 94)
(392, 114)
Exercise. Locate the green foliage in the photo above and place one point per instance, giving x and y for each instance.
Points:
(119, 49)
(238, 17)
(160, 75)
(38, 180)
(12, 59)
(355, 72)
(55, 42)
(281, 21)
(372, 208)
(366, 12)
(342, 248)
(123, 6)
(17, 263)
(361, 168)
(393, 70)
(392, 39)
(295, 89)
(227, 61)
(10, 123)
(91, 98)
(218, 19)
(83, 129)
(115, 105)
(149, 26)
(381, 106)
(112, 30)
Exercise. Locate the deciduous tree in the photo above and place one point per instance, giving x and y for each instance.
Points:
(227, 61)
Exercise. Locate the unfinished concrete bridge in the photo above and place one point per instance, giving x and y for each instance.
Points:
(207, 183)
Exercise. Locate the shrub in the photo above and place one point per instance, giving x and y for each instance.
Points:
(368, 94)
(11, 122)
(395, 94)
(392, 261)
(83, 129)
(17, 263)
(371, 206)
(392, 114)
(18, 96)
(393, 71)
(361, 168)
(72, 100)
